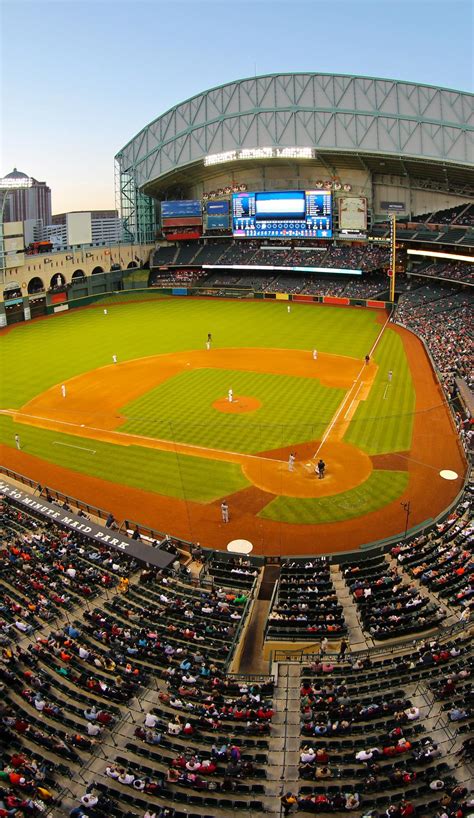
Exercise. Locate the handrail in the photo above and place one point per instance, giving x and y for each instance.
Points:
(251, 677)
(91, 509)
(58, 495)
(299, 655)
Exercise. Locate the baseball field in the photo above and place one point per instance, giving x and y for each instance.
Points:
(121, 404)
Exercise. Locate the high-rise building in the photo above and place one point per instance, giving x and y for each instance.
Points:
(27, 199)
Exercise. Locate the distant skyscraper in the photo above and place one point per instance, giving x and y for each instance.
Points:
(28, 198)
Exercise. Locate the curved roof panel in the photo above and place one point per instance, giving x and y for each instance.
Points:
(331, 113)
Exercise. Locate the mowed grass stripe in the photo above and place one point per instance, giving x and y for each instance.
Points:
(381, 425)
(293, 410)
(35, 356)
(380, 488)
(181, 476)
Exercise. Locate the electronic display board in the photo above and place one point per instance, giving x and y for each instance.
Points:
(182, 208)
(298, 213)
(217, 214)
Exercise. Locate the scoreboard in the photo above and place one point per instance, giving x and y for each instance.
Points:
(286, 214)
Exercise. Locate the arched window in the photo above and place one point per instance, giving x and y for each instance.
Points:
(78, 274)
(35, 285)
(12, 290)
(97, 270)
(131, 265)
(57, 280)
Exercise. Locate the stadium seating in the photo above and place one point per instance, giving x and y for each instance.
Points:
(389, 606)
(306, 604)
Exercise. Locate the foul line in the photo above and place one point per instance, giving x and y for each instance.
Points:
(172, 444)
(341, 407)
(71, 446)
(353, 399)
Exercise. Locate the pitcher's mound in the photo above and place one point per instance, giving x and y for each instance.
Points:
(239, 405)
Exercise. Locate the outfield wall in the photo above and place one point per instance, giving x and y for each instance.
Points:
(99, 287)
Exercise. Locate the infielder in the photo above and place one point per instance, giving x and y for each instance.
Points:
(315, 354)
(225, 511)
(230, 395)
(63, 390)
(291, 461)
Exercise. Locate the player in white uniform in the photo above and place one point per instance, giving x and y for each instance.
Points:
(224, 512)
(63, 390)
(315, 354)
(230, 395)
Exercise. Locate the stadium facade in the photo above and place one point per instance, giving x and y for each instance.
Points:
(393, 142)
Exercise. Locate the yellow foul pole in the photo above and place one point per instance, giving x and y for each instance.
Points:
(393, 254)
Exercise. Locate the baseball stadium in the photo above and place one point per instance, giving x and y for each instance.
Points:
(258, 401)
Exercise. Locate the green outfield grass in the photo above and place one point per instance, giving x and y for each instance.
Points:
(187, 478)
(38, 355)
(293, 410)
(384, 422)
(379, 489)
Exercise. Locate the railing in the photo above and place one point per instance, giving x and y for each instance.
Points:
(152, 534)
(58, 496)
(254, 678)
(410, 646)
(237, 633)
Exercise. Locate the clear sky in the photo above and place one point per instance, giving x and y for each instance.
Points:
(79, 79)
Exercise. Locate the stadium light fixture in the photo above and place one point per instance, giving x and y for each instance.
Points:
(433, 254)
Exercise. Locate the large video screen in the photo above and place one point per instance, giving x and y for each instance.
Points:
(183, 208)
(297, 213)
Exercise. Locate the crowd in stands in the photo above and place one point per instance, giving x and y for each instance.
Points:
(441, 318)
(367, 258)
(70, 670)
(389, 606)
(357, 258)
(462, 214)
(364, 742)
(457, 271)
(442, 559)
(176, 278)
(306, 602)
(64, 690)
(231, 572)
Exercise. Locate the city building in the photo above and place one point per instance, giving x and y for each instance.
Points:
(81, 227)
(27, 199)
